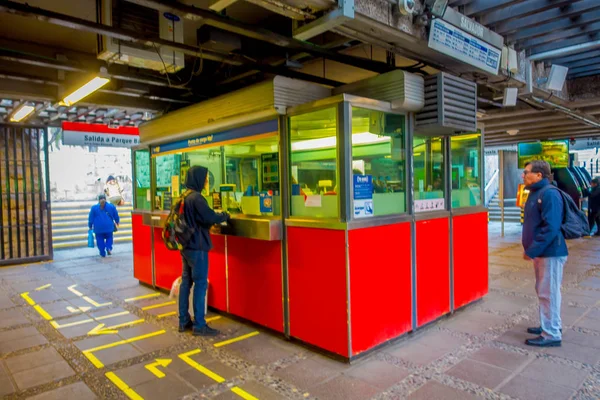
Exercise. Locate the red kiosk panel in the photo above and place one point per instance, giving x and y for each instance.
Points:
(167, 263)
(217, 274)
(255, 281)
(433, 269)
(380, 283)
(470, 251)
(317, 287)
(142, 249)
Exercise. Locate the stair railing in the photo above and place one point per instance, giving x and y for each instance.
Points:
(492, 187)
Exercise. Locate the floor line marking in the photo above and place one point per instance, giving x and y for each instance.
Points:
(146, 296)
(168, 303)
(211, 319)
(42, 312)
(76, 292)
(70, 324)
(185, 357)
(167, 314)
(98, 364)
(138, 321)
(236, 339)
(243, 394)
(111, 315)
(43, 287)
(118, 382)
(94, 303)
(28, 299)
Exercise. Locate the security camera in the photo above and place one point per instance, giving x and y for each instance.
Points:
(406, 7)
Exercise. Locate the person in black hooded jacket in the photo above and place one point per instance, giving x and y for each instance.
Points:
(200, 217)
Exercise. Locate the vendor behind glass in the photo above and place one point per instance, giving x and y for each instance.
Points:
(200, 217)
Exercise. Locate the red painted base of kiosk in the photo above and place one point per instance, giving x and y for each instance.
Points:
(142, 250)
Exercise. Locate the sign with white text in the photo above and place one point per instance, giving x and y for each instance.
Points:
(81, 134)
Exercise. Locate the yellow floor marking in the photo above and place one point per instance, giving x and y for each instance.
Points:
(168, 303)
(95, 304)
(130, 323)
(237, 339)
(42, 312)
(44, 287)
(211, 319)
(167, 314)
(185, 357)
(70, 324)
(100, 330)
(98, 364)
(28, 299)
(112, 315)
(160, 362)
(76, 292)
(242, 393)
(129, 392)
(146, 296)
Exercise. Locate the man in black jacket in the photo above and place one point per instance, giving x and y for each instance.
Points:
(200, 217)
(594, 206)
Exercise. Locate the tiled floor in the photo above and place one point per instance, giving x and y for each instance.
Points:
(82, 332)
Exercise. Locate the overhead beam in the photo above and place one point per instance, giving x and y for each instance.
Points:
(220, 5)
(585, 74)
(563, 129)
(563, 44)
(572, 10)
(552, 124)
(558, 25)
(575, 57)
(522, 9)
(584, 69)
(478, 7)
(560, 35)
(524, 121)
(584, 134)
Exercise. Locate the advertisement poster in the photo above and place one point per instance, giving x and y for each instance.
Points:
(266, 203)
(556, 153)
(363, 196)
(522, 195)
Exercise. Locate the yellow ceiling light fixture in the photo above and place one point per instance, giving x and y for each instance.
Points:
(88, 88)
(364, 138)
(22, 112)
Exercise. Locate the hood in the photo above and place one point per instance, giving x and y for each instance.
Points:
(196, 178)
(110, 178)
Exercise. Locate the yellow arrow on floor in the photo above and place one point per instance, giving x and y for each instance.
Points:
(160, 362)
(99, 331)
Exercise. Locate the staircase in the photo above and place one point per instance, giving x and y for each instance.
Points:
(70, 224)
(512, 213)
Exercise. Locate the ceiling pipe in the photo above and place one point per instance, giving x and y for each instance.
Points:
(565, 51)
(583, 118)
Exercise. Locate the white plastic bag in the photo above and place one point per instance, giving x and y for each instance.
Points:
(175, 294)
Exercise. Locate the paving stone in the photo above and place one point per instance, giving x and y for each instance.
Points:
(115, 354)
(169, 387)
(589, 323)
(157, 343)
(44, 296)
(6, 386)
(558, 374)
(418, 354)
(96, 341)
(433, 390)
(576, 352)
(499, 358)
(42, 375)
(505, 304)
(593, 283)
(59, 309)
(262, 349)
(479, 373)
(12, 317)
(378, 373)
(33, 360)
(344, 388)
(135, 375)
(530, 389)
(257, 390)
(475, 323)
(26, 342)
(201, 381)
(78, 391)
(516, 337)
(308, 373)
(6, 302)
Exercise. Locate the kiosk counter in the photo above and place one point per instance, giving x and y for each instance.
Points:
(348, 230)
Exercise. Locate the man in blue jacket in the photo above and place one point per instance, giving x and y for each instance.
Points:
(200, 217)
(545, 244)
(594, 206)
(103, 218)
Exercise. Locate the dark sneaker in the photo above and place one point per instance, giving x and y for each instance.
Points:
(206, 331)
(103, 255)
(536, 331)
(187, 327)
(109, 252)
(541, 341)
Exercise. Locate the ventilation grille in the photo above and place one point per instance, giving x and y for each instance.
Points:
(450, 106)
(135, 18)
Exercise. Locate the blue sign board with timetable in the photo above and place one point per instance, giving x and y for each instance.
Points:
(363, 196)
(458, 44)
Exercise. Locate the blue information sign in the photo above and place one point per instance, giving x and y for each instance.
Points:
(363, 196)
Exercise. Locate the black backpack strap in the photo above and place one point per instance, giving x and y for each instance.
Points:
(562, 196)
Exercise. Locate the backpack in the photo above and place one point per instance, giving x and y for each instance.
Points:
(176, 231)
(574, 224)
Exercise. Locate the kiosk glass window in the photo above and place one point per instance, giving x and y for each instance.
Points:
(429, 176)
(466, 173)
(314, 164)
(378, 163)
(142, 180)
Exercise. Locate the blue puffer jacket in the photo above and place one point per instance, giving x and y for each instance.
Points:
(101, 219)
(542, 236)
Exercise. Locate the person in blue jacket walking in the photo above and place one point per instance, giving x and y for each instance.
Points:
(545, 244)
(103, 219)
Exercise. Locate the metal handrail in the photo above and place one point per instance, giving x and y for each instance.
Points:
(492, 187)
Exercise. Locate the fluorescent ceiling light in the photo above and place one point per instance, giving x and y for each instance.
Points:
(22, 113)
(85, 90)
(328, 142)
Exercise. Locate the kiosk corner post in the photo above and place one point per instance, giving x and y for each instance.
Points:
(410, 122)
(284, 157)
(448, 200)
(501, 189)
